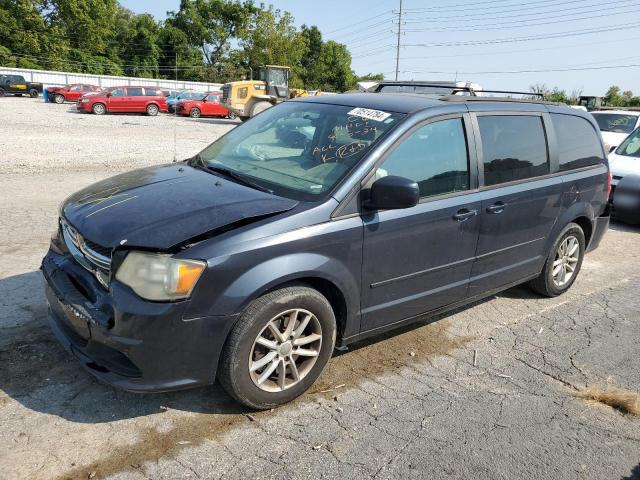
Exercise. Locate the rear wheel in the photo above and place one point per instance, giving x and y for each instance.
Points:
(232, 116)
(195, 113)
(278, 348)
(563, 263)
(2, 92)
(152, 110)
(33, 93)
(260, 107)
(58, 98)
(99, 109)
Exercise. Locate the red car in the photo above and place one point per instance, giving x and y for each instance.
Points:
(70, 93)
(208, 106)
(149, 100)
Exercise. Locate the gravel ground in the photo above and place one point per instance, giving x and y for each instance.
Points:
(42, 137)
(409, 405)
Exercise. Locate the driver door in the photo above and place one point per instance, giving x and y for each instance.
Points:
(419, 259)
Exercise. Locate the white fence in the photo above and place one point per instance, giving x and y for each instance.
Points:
(50, 78)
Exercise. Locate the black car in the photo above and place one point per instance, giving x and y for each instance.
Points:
(319, 222)
(17, 85)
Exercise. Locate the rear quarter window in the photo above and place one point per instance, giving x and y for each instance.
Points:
(135, 92)
(514, 147)
(578, 142)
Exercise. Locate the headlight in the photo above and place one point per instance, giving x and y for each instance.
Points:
(159, 277)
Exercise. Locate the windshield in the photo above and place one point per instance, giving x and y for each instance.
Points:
(616, 122)
(631, 146)
(299, 150)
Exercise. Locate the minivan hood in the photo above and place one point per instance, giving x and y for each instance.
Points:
(163, 206)
(613, 138)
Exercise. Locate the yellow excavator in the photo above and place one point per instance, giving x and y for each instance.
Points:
(247, 98)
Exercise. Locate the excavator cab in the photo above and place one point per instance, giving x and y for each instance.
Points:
(276, 79)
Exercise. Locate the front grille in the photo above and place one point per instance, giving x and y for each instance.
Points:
(226, 90)
(90, 255)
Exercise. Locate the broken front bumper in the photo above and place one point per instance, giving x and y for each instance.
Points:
(126, 341)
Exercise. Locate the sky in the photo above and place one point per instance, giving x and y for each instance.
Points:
(500, 44)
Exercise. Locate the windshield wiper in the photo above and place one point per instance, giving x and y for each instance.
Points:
(198, 162)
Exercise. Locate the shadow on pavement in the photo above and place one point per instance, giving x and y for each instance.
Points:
(37, 372)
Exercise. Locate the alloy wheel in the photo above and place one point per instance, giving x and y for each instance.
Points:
(566, 261)
(286, 350)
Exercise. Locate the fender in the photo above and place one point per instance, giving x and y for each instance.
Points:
(578, 209)
(286, 269)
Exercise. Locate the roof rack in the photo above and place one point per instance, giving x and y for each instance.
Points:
(468, 98)
(456, 87)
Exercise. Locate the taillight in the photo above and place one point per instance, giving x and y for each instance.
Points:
(609, 178)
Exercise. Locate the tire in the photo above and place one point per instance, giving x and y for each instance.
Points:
(2, 92)
(58, 98)
(33, 93)
(242, 347)
(232, 116)
(244, 119)
(260, 107)
(152, 110)
(546, 283)
(195, 113)
(99, 109)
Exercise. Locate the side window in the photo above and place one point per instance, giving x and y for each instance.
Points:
(514, 147)
(212, 98)
(76, 88)
(435, 156)
(135, 92)
(578, 142)
(118, 92)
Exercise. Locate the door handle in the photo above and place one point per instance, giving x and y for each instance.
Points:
(464, 214)
(497, 207)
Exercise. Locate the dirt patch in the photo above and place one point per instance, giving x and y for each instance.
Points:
(410, 346)
(625, 401)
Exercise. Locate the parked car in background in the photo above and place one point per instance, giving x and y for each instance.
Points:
(183, 95)
(625, 167)
(170, 93)
(17, 85)
(208, 105)
(149, 100)
(615, 125)
(320, 222)
(70, 93)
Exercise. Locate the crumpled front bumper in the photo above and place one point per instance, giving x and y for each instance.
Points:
(126, 341)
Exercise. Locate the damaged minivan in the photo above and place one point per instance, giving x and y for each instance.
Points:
(318, 223)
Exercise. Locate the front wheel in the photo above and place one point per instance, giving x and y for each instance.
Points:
(563, 263)
(260, 107)
(99, 109)
(152, 110)
(279, 347)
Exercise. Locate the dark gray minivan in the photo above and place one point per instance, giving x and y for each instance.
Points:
(317, 223)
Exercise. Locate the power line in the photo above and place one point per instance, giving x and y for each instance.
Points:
(476, 16)
(546, 70)
(494, 53)
(476, 8)
(497, 26)
(359, 21)
(573, 33)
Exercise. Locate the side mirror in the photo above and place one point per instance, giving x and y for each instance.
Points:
(392, 193)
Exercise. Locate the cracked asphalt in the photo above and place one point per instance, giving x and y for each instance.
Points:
(411, 404)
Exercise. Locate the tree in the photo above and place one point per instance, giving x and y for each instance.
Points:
(274, 40)
(211, 25)
(335, 65)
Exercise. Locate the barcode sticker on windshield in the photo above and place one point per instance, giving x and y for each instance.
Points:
(377, 115)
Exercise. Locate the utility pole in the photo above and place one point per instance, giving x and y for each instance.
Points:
(398, 45)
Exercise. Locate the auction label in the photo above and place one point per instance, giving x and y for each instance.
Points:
(377, 115)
